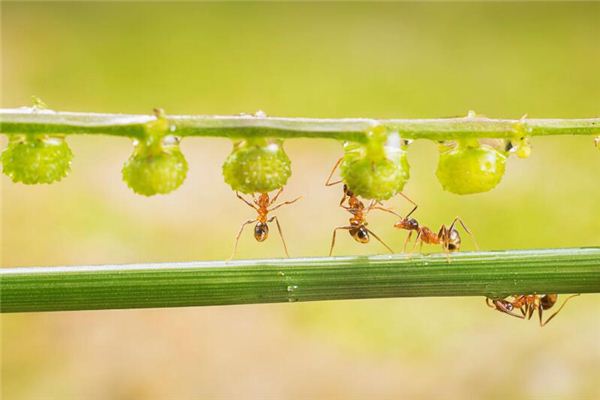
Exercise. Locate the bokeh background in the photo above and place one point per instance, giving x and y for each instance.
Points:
(316, 60)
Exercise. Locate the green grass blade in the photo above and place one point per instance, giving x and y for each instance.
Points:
(575, 270)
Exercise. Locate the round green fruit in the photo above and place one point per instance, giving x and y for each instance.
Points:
(155, 172)
(374, 175)
(32, 160)
(257, 166)
(470, 168)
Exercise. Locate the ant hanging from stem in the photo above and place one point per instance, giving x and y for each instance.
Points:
(262, 205)
(358, 224)
(527, 304)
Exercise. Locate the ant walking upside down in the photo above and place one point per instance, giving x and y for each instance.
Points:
(262, 205)
(357, 227)
(527, 304)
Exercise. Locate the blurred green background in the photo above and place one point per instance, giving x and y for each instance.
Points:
(320, 60)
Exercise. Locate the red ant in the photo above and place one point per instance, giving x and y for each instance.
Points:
(358, 224)
(449, 237)
(527, 304)
(262, 206)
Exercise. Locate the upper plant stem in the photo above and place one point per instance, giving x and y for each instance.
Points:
(492, 274)
(35, 121)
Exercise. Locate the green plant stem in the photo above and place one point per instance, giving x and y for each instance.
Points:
(493, 274)
(35, 121)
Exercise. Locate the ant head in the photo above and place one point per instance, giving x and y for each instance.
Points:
(504, 305)
(360, 234)
(408, 224)
(261, 231)
(548, 300)
(453, 240)
(347, 191)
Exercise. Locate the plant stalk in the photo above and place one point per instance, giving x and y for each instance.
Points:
(40, 121)
(493, 274)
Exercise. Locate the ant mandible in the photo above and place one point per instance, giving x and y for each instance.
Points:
(527, 304)
(448, 237)
(262, 205)
(358, 224)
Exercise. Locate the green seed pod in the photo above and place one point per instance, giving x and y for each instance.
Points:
(36, 159)
(377, 170)
(470, 167)
(157, 165)
(257, 166)
(155, 168)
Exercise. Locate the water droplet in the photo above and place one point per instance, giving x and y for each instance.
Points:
(291, 289)
(260, 114)
(171, 140)
(597, 142)
(281, 273)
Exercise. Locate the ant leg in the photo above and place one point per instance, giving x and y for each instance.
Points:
(457, 219)
(417, 241)
(285, 203)
(412, 202)
(276, 196)
(442, 236)
(407, 240)
(447, 252)
(245, 201)
(371, 205)
(531, 310)
(237, 238)
(344, 197)
(380, 241)
(328, 181)
(280, 235)
(389, 210)
(542, 324)
(523, 310)
(333, 238)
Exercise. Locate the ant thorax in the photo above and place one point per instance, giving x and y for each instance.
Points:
(263, 199)
(355, 204)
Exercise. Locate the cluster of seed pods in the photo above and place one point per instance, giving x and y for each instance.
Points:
(374, 169)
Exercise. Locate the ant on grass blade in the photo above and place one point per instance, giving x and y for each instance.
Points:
(263, 205)
(357, 227)
(527, 305)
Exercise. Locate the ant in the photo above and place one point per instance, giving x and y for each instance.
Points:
(527, 304)
(358, 224)
(448, 237)
(262, 205)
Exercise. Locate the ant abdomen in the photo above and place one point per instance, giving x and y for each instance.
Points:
(454, 241)
(261, 232)
(548, 300)
(360, 234)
